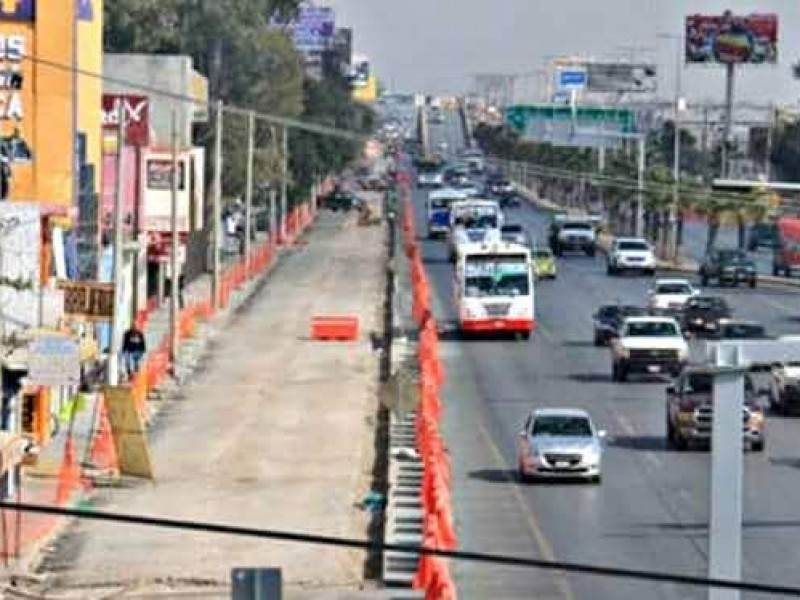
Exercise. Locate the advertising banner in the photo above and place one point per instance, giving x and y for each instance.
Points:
(156, 186)
(313, 28)
(585, 127)
(621, 77)
(732, 39)
(136, 115)
(131, 213)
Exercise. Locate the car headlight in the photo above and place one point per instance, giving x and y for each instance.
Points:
(683, 353)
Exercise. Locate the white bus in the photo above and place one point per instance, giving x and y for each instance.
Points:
(494, 289)
(473, 221)
(438, 206)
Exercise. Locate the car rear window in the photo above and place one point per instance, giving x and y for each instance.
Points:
(708, 303)
(577, 226)
(557, 426)
(739, 331)
(633, 246)
(652, 329)
(673, 288)
(512, 229)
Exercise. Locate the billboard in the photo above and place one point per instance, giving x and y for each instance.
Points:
(621, 77)
(367, 93)
(313, 28)
(156, 191)
(584, 127)
(135, 114)
(732, 39)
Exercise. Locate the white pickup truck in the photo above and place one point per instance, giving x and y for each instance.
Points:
(648, 345)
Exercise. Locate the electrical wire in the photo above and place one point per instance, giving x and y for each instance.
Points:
(342, 542)
(211, 104)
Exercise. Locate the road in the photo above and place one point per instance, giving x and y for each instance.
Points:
(651, 511)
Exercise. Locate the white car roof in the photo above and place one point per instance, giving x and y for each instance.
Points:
(560, 412)
(650, 319)
(447, 193)
(671, 281)
(631, 239)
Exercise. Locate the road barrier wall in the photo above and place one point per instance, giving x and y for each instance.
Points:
(438, 529)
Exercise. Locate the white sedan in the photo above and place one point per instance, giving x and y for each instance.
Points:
(671, 294)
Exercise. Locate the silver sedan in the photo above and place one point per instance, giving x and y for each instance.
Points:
(560, 443)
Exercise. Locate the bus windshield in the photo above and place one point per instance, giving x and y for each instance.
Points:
(488, 275)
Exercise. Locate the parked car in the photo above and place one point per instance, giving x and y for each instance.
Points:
(559, 443)
(690, 411)
(731, 266)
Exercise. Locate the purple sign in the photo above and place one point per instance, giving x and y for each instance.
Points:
(86, 10)
(17, 10)
(313, 29)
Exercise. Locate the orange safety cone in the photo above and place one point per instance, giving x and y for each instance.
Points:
(69, 476)
(103, 454)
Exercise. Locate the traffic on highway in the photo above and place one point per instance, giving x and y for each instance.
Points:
(578, 427)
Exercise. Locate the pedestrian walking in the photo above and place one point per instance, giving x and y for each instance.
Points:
(133, 349)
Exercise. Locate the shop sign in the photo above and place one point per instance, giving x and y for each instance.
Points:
(92, 300)
(135, 112)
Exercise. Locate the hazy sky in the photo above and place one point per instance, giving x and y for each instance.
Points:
(437, 45)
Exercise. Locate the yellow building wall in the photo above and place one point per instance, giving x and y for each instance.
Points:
(368, 92)
(90, 89)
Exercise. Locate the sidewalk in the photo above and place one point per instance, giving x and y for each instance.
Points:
(275, 431)
(64, 473)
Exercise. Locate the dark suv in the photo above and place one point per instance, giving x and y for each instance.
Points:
(728, 266)
(702, 314)
(763, 235)
(608, 318)
(690, 411)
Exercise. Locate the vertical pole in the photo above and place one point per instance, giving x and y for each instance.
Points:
(174, 287)
(672, 242)
(770, 140)
(640, 188)
(273, 199)
(112, 367)
(725, 534)
(217, 209)
(284, 181)
(248, 190)
(726, 131)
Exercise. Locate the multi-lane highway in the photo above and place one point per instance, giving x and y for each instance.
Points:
(651, 511)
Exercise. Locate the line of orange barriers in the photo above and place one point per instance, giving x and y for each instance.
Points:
(438, 531)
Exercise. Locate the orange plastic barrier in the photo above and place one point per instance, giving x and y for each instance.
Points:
(69, 476)
(334, 328)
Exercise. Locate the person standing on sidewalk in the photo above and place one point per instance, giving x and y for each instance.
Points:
(133, 349)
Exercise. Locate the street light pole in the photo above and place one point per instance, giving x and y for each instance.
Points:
(115, 343)
(676, 156)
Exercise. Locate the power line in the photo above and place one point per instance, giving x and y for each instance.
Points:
(308, 126)
(323, 540)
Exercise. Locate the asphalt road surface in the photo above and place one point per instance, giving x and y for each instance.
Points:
(651, 511)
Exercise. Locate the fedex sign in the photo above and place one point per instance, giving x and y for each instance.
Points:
(135, 113)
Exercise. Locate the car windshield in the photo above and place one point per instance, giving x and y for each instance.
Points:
(634, 245)
(652, 329)
(562, 426)
(673, 288)
(544, 254)
(504, 285)
(733, 256)
(440, 202)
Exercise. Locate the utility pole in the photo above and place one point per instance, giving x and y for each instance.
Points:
(284, 181)
(730, 70)
(217, 208)
(672, 243)
(115, 343)
(248, 190)
(640, 187)
(174, 285)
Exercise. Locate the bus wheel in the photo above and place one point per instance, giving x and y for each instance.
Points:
(525, 335)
